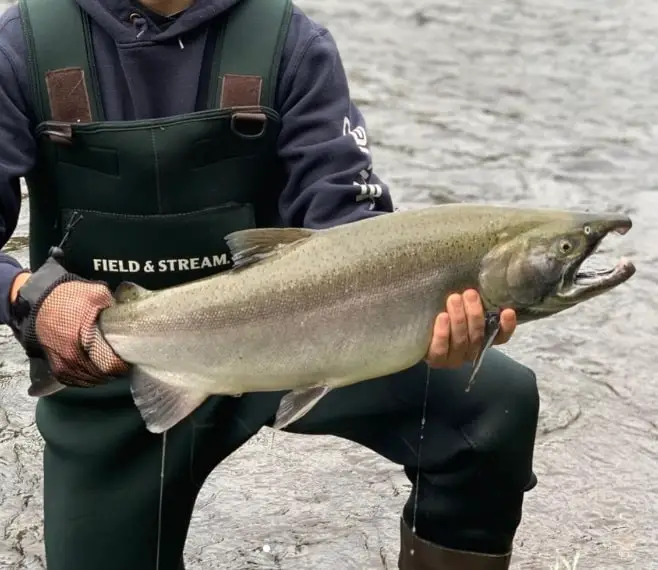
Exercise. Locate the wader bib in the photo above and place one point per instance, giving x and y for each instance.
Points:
(156, 196)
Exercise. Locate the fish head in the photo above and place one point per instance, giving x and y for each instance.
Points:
(537, 270)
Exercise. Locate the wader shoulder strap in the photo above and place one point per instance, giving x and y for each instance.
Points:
(64, 84)
(247, 54)
(64, 81)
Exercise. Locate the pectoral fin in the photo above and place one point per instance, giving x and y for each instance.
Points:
(491, 328)
(298, 403)
(161, 404)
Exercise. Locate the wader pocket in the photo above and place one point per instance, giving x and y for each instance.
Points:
(155, 251)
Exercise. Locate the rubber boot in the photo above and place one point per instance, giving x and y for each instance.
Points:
(419, 554)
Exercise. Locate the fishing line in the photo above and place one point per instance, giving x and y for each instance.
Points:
(161, 502)
(420, 447)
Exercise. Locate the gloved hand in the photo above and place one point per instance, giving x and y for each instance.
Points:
(54, 317)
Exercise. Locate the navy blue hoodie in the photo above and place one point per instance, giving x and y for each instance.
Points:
(149, 67)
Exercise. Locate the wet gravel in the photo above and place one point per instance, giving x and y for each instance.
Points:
(510, 101)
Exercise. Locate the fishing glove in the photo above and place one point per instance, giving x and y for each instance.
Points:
(54, 318)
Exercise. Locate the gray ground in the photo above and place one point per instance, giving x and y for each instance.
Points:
(542, 103)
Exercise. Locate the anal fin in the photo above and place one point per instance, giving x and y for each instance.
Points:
(298, 403)
(491, 328)
(161, 404)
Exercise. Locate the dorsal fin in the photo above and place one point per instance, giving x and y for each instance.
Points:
(128, 291)
(251, 246)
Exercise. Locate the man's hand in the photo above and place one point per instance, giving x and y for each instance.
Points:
(19, 281)
(55, 318)
(459, 332)
(66, 328)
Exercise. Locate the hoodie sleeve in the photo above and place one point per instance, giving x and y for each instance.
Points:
(323, 141)
(17, 146)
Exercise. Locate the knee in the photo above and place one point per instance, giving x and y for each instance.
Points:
(503, 436)
(521, 396)
(514, 396)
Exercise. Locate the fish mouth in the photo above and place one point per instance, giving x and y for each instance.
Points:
(579, 282)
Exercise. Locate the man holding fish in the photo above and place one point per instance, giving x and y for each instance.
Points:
(156, 129)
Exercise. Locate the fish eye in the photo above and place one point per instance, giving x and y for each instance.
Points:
(587, 230)
(565, 246)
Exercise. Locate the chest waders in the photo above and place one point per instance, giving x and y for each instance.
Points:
(157, 198)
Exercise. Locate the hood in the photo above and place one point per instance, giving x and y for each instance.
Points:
(114, 16)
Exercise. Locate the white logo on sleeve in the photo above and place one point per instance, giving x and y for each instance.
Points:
(366, 191)
(358, 134)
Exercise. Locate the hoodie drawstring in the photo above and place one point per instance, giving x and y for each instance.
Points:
(141, 25)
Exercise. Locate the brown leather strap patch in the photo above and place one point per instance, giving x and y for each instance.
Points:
(67, 92)
(240, 91)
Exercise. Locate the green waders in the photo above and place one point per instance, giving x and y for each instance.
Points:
(156, 198)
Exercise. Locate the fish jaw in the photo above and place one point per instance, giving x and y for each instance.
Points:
(580, 284)
(538, 273)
